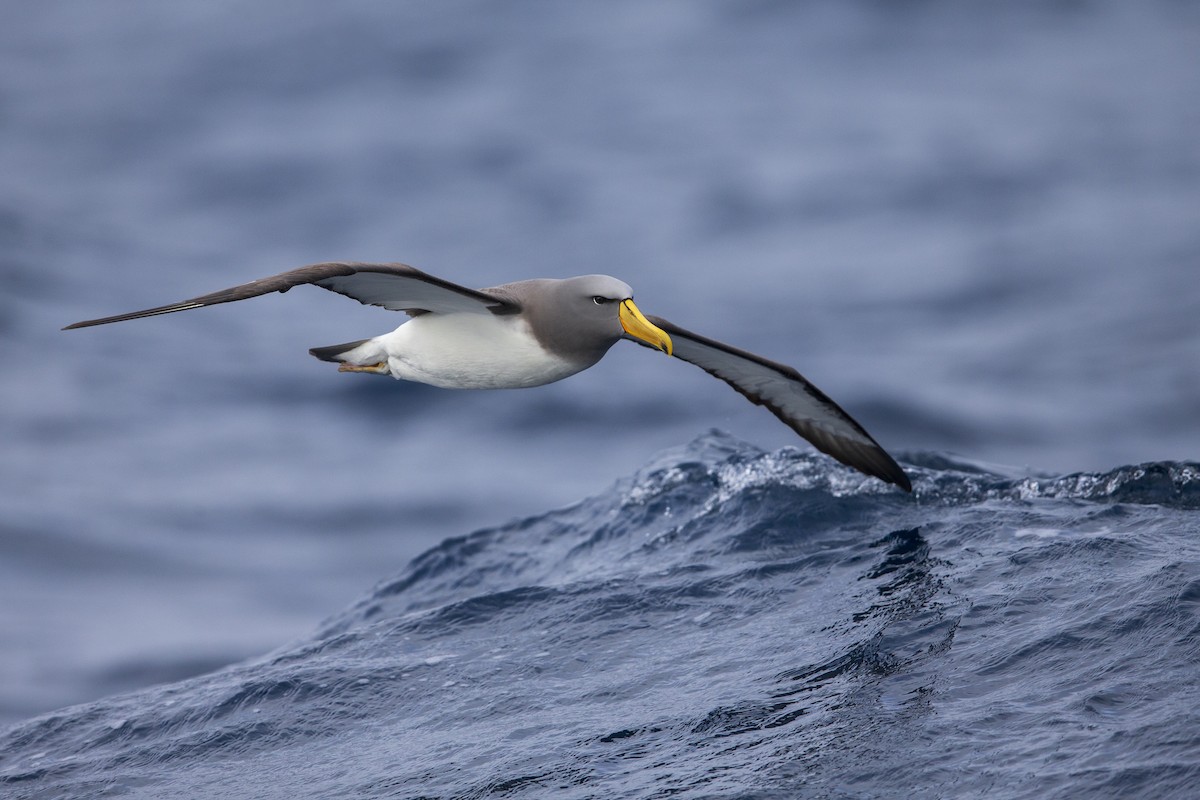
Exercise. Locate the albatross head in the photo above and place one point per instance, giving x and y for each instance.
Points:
(583, 317)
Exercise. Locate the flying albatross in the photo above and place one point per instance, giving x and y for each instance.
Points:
(538, 331)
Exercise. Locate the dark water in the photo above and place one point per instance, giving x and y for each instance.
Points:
(727, 622)
(975, 225)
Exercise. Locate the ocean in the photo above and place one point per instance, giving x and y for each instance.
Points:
(227, 570)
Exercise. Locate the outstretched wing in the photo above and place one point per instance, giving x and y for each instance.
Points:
(790, 397)
(397, 287)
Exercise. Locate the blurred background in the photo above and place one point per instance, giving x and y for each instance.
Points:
(975, 225)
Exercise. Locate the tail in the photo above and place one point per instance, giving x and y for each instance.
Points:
(335, 352)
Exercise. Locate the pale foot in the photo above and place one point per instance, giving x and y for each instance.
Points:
(381, 368)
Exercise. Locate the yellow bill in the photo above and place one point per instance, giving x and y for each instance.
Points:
(637, 326)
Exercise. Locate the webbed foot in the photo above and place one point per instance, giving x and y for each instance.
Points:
(380, 369)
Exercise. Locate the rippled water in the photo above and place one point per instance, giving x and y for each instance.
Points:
(726, 622)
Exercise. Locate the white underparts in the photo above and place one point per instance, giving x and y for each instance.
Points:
(465, 351)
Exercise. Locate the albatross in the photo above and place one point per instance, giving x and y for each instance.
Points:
(534, 332)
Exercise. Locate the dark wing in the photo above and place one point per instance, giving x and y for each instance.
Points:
(800, 405)
(396, 287)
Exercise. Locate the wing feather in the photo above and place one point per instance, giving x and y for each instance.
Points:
(790, 397)
(397, 287)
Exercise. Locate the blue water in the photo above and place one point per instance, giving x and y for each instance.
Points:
(974, 225)
(727, 622)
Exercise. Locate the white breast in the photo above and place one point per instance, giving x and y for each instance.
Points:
(471, 351)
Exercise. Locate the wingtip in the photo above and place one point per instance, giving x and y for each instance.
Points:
(869, 459)
(887, 470)
(87, 323)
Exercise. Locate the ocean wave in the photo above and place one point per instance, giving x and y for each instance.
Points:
(725, 622)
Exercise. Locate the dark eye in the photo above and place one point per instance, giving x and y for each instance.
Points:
(598, 300)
